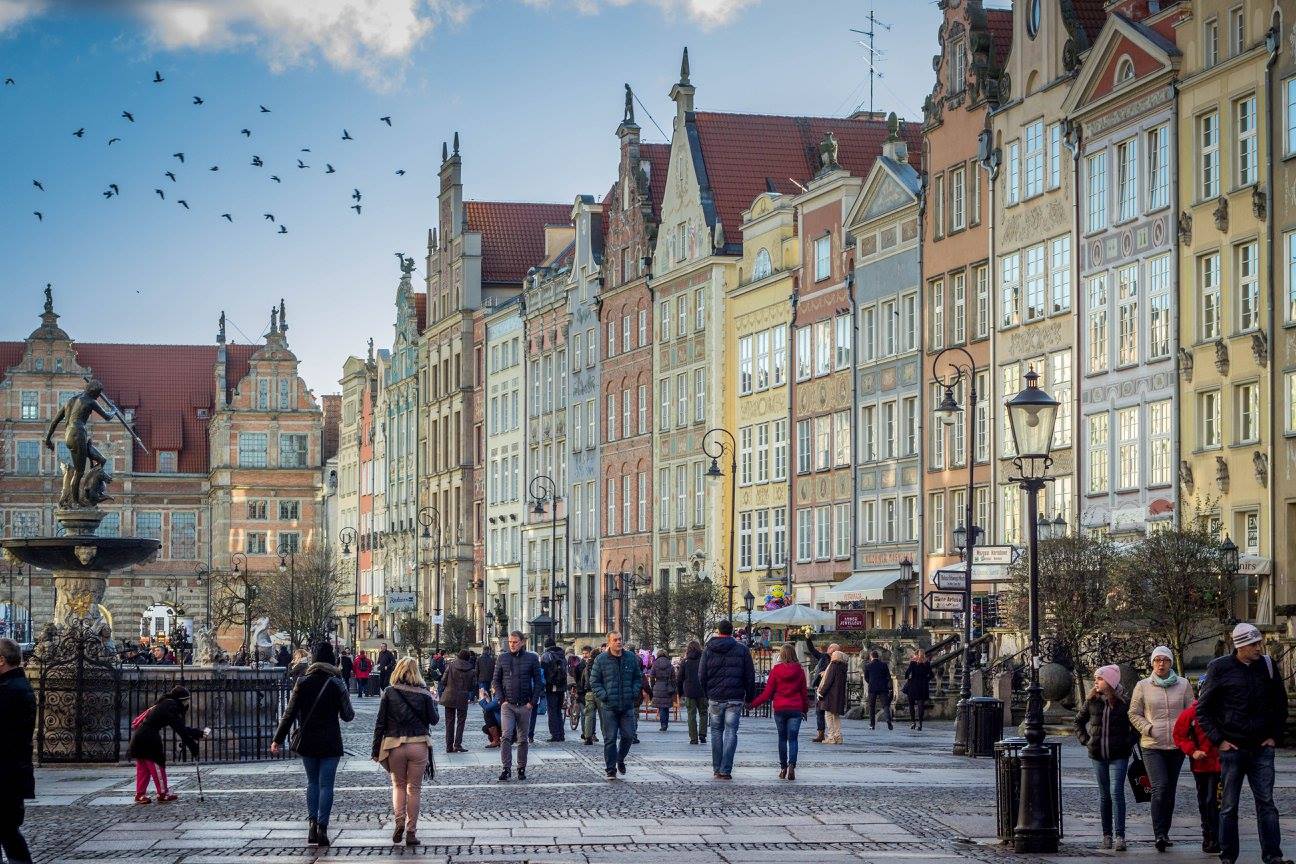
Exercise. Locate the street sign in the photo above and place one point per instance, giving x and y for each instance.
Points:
(950, 580)
(400, 601)
(438, 619)
(944, 601)
(1002, 555)
(851, 619)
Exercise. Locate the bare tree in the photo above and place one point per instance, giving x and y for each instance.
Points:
(666, 616)
(456, 632)
(302, 598)
(415, 634)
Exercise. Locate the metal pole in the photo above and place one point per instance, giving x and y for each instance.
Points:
(440, 539)
(733, 522)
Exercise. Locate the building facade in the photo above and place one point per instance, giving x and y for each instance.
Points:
(503, 388)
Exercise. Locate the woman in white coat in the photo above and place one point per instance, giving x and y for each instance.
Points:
(1157, 702)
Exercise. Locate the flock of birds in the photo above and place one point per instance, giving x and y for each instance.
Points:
(113, 190)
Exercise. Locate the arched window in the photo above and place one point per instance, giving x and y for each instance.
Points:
(1124, 71)
(763, 266)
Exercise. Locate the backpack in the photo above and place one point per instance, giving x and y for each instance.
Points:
(555, 672)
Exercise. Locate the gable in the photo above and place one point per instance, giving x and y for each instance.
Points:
(885, 195)
(1121, 40)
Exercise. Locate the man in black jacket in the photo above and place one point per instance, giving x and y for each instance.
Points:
(1243, 709)
(384, 665)
(690, 688)
(877, 675)
(17, 725)
(554, 664)
(728, 679)
(516, 683)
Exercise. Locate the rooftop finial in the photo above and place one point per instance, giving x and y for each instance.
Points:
(220, 333)
(684, 68)
(49, 298)
(629, 106)
(274, 319)
(283, 317)
(371, 359)
(456, 143)
(445, 152)
(893, 126)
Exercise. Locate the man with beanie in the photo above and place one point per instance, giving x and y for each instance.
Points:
(554, 665)
(1242, 710)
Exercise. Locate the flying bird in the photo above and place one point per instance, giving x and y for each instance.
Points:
(346, 136)
(112, 141)
(183, 203)
(198, 100)
(172, 176)
(227, 217)
(256, 162)
(214, 168)
(160, 194)
(386, 119)
(301, 164)
(179, 156)
(107, 193)
(400, 172)
(80, 133)
(157, 77)
(355, 196)
(328, 169)
(9, 82)
(247, 133)
(113, 186)
(129, 116)
(356, 207)
(40, 217)
(269, 217)
(275, 179)
(38, 185)
(305, 150)
(283, 230)
(264, 110)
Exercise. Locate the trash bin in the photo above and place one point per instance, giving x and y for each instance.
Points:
(1007, 754)
(985, 725)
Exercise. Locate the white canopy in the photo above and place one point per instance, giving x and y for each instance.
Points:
(869, 585)
(794, 615)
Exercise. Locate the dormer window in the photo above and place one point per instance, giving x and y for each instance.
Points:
(763, 266)
(1124, 71)
(166, 462)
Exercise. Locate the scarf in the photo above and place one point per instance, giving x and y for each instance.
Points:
(1168, 681)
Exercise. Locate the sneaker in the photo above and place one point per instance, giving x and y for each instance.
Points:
(621, 767)
(1119, 844)
(143, 799)
(1106, 842)
(611, 774)
(505, 775)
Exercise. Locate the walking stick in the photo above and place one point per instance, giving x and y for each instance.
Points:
(198, 769)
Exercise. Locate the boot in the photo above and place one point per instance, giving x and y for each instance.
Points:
(791, 772)
(321, 835)
(312, 835)
(818, 739)
(399, 833)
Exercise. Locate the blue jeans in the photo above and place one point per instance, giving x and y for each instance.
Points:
(723, 717)
(663, 717)
(320, 773)
(1111, 785)
(1257, 766)
(618, 734)
(789, 726)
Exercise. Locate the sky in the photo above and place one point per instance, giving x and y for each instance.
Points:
(534, 88)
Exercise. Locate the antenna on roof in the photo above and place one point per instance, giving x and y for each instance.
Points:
(875, 55)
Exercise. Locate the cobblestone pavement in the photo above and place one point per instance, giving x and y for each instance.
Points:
(882, 797)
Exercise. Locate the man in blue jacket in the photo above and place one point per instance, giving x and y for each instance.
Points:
(728, 679)
(617, 681)
(516, 683)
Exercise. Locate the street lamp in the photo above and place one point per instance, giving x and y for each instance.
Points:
(560, 595)
(715, 449)
(347, 536)
(906, 574)
(542, 488)
(203, 576)
(1230, 564)
(288, 561)
(426, 516)
(238, 565)
(1031, 415)
(965, 538)
(749, 602)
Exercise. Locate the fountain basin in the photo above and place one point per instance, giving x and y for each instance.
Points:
(82, 554)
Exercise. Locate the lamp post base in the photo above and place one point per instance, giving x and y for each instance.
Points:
(962, 718)
(1036, 829)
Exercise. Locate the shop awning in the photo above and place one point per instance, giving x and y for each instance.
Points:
(863, 586)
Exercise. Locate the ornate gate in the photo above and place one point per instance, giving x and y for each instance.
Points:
(78, 706)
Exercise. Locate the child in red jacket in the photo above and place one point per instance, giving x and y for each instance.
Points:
(1203, 756)
(786, 688)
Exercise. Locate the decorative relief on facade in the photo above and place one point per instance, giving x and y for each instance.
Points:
(1037, 338)
(909, 475)
(868, 382)
(1221, 357)
(758, 407)
(889, 378)
(1221, 214)
(1034, 223)
(1186, 364)
(1259, 203)
(1110, 392)
(1186, 475)
(1260, 463)
(1260, 348)
(1222, 474)
(888, 477)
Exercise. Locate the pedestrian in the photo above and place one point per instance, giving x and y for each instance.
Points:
(384, 665)
(1243, 710)
(283, 659)
(1203, 759)
(460, 686)
(319, 701)
(917, 688)
(728, 679)
(363, 667)
(146, 743)
(297, 668)
(662, 678)
(616, 679)
(486, 667)
(585, 696)
(1157, 702)
(517, 685)
(786, 688)
(877, 675)
(240, 656)
(1103, 726)
(17, 726)
(832, 696)
(690, 688)
(821, 661)
(402, 743)
(553, 664)
(345, 663)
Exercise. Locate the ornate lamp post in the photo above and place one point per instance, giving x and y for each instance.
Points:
(715, 448)
(906, 577)
(749, 602)
(950, 412)
(541, 489)
(426, 516)
(1031, 415)
(1230, 564)
(347, 537)
(238, 565)
(290, 564)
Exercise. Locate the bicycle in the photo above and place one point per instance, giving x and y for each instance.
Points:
(572, 708)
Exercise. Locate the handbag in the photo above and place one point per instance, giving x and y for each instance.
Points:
(1140, 782)
(294, 739)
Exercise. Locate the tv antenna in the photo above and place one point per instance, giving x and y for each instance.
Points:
(875, 55)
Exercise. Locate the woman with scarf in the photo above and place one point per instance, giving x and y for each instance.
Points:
(1157, 702)
(402, 743)
(1102, 725)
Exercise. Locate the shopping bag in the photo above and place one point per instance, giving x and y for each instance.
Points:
(1140, 782)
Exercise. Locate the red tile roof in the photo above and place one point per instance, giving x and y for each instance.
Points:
(1000, 24)
(1091, 14)
(513, 238)
(741, 152)
(165, 385)
(658, 156)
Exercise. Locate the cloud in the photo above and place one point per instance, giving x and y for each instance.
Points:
(706, 13)
(14, 12)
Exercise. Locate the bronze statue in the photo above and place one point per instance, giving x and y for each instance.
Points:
(75, 414)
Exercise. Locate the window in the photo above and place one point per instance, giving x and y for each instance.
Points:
(958, 202)
(745, 541)
(1098, 452)
(1059, 384)
(1158, 290)
(868, 433)
(780, 449)
(1237, 31)
(1248, 264)
(868, 522)
(643, 501)
(868, 329)
(1010, 383)
(663, 498)
(257, 509)
(1251, 532)
(643, 327)
(762, 266)
(292, 450)
(1210, 42)
(699, 395)
(252, 449)
(1248, 161)
(745, 456)
(910, 513)
(643, 410)
(1160, 424)
(823, 532)
(1034, 138)
(263, 394)
(1289, 86)
(910, 335)
(936, 522)
(842, 341)
(982, 302)
(1290, 412)
(627, 501)
(938, 206)
(938, 314)
(1012, 177)
(1248, 413)
(1209, 411)
(665, 317)
(110, 526)
(803, 353)
(958, 307)
(611, 505)
(1127, 179)
(909, 431)
(255, 543)
(1158, 141)
(889, 430)
(285, 394)
(611, 417)
(841, 531)
(664, 409)
(762, 360)
(1208, 148)
(28, 458)
(823, 442)
(184, 535)
(578, 426)
(148, 524)
(761, 457)
(1209, 310)
(889, 528)
(699, 309)
(1096, 192)
(1035, 283)
(778, 556)
(762, 538)
(287, 543)
(778, 363)
(823, 257)
(1060, 272)
(1054, 155)
(804, 453)
(30, 409)
(823, 346)
(1127, 315)
(841, 438)
(626, 428)
(1127, 456)
(682, 310)
(805, 533)
(937, 460)
(982, 420)
(1010, 285)
(1289, 243)
(1012, 515)
(957, 67)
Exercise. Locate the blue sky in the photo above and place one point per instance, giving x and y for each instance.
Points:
(534, 89)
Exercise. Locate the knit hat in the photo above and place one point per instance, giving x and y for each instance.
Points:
(1111, 674)
(1162, 651)
(323, 653)
(178, 693)
(1245, 634)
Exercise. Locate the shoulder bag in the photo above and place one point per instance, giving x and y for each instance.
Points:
(1140, 782)
(294, 739)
